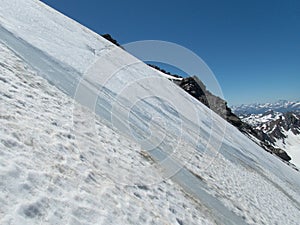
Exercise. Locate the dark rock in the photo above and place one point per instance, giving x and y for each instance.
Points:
(111, 39)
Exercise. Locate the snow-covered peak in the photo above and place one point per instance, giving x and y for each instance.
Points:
(257, 119)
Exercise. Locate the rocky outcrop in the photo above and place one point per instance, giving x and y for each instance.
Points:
(111, 39)
(197, 89)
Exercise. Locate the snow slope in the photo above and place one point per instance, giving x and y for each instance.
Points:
(57, 171)
(291, 144)
(77, 170)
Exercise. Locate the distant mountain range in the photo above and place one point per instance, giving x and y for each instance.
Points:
(281, 106)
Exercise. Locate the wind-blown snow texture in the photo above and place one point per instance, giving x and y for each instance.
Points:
(292, 146)
(57, 171)
(60, 165)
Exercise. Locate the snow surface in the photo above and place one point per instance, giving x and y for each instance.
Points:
(58, 171)
(291, 145)
(45, 28)
(169, 76)
(66, 166)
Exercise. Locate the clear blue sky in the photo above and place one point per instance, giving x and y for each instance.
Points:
(252, 46)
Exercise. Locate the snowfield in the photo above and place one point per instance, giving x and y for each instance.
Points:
(57, 171)
(291, 144)
(150, 154)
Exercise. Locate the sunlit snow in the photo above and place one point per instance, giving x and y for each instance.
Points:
(62, 164)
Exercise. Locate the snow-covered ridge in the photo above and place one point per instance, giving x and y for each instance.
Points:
(170, 77)
(237, 181)
(258, 119)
